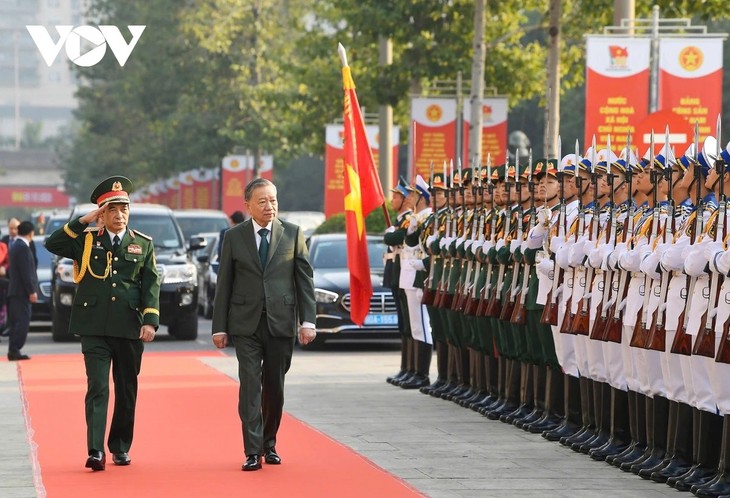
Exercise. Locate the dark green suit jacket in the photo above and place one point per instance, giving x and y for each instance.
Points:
(127, 298)
(284, 288)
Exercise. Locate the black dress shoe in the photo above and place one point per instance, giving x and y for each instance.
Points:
(121, 458)
(253, 462)
(271, 457)
(96, 460)
(17, 356)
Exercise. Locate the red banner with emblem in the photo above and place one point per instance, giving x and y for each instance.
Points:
(494, 129)
(690, 80)
(434, 120)
(187, 191)
(617, 88)
(33, 197)
(203, 189)
(334, 188)
(236, 172)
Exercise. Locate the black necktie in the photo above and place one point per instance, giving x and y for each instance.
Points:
(263, 246)
(115, 243)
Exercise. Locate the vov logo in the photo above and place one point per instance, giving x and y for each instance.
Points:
(97, 37)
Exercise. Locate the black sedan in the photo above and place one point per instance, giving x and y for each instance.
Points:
(328, 255)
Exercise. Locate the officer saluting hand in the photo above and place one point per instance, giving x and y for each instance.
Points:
(116, 310)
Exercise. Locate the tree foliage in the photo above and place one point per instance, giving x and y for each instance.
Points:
(208, 75)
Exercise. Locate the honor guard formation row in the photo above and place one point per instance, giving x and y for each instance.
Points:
(586, 299)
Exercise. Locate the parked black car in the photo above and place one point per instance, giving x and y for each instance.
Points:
(41, 309)
(195, 221)
(178, 273)
(328, 256)
(207, 277)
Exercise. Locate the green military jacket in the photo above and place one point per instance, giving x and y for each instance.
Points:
(117, 293)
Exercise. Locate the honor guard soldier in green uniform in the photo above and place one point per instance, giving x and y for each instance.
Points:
(116, 310)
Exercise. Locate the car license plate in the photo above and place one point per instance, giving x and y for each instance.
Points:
(391, 319)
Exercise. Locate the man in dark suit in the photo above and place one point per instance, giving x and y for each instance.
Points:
(22, 290)
(116, 310)
(264, 292)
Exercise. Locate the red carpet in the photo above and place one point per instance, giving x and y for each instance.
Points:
(187, 439)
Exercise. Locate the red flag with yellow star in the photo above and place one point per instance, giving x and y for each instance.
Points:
(363, 193)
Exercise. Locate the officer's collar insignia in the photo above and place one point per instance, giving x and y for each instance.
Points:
(134, 249)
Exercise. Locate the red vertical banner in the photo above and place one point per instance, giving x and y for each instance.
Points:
(266, 167)
(187, 191)
(216, 199)
(202, 183)
(334, 188)
(617, 87)
(235, 174)
(435, 134)
(494, 129)
(173, 192)
(690, 80)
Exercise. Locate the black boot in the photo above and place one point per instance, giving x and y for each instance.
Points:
(602, 410)
(636, 428)
(504, 367)
(442, 366)
(410, 362)
(452, 377)
(720, 484)
(423, 354)
(552, 407)
(646, 472)
(461, 374)
(538, 384)
(403, 362)
(708, 449)
(478, 382)
(588, 428)
(660, 418)
(679, 463)
(512, 393)
(491, 379)
(619, 416)
(525, 401)
(571, 421)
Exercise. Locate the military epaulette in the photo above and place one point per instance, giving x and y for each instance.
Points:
(95, 229)
(143, 235)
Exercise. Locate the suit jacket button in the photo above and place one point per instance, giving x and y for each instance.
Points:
(114, 284)
(114, 272)
(85, 304)
(116, 258)
(114, 298)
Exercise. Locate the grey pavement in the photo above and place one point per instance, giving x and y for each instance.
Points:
(438, 447)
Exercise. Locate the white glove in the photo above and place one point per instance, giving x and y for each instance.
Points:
(649, 264)
(417, 264)
(514, 244)
(545, 267)
(630, 260)
(712, 249)
(390, 229)
(555, 243)
(430, 239)
(445, 242)
(597, 257)
(499, 245)
(488, 244)
(695, 262)
(412, 224)
(544, 217)
(562, 256)
(468, 243)
(722, 263)
(614, 257)
(672, 258)
(536, 237)
(577, 251)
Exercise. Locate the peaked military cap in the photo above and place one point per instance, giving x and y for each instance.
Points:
(546, 166)
(438, 181)
(400, 188)
(113, 189)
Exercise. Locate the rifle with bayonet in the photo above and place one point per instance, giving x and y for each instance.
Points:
(614, 325)
(465, 277)
(549, 314)
(440, 298)
(494, 306)
(682, 343)
(705, 342)
(509, 306)
(493, 218)
(657, 337)
(518, 315)
(428, 293)
(599, 324)
(567, 326)
(640, 334)
(472, 300)
(582, 317)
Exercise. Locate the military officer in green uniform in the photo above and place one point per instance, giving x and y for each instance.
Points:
(116, 310)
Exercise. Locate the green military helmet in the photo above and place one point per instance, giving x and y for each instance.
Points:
(113, 189)
(438, 181)
(545, 167)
